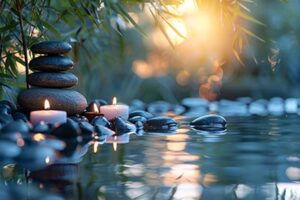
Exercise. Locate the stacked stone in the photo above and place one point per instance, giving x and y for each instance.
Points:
(50, 80)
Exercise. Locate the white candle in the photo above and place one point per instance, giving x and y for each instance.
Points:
(115, 110)
(48, 116)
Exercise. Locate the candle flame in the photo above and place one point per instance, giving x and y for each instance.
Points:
(114, 101)
(96, 108)
(115, 143)
(47, 104)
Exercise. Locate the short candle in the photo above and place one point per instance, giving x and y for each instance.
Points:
(48, 116)
(115, 110)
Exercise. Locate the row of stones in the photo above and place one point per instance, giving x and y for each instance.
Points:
(51, 80)
(52, 66)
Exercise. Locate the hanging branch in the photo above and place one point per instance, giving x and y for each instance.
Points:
(19, 9)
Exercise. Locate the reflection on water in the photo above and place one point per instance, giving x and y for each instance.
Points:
(256, 158)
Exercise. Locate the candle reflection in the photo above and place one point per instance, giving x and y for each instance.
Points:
(115, 143)
(115, 140)
(46, 104)
(95, 146)
(39, 137)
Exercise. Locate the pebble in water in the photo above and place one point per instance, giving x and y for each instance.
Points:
(291, 105)
(164, 124)
(70, 129)
(16, 126)
(258, 107)
(233, 108)
(103, 131)
(158, 107)
(41, 127)
(121, 126)
(140, 113)
(137, 119)
(86, 128)
(137, 104)
(101, 120)
(209, 123)
(194, 102)
(276, 106)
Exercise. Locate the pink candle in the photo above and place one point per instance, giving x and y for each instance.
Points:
(48, 116)
(115, 110)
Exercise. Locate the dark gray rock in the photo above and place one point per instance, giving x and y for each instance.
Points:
(86, 128)
(5, 119)
(35, 156)
(51, 63)
(159, 107)
(5, 109)
(103, 131)
(16, 126)
(120, 126)
(160, 124)
(41, 127)
(20, 116)
(10, 104)
(101, 120)
(60, 99)
(9, 149)
(52, 79)
(137, 119)
(140, 113)
(51, 47)
(70, 129)
(209, 123)
(79, 118)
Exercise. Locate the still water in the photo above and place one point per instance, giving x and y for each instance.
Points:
(256, 158)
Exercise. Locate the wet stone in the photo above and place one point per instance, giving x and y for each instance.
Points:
(194, 102)
(137, 104)
(158, 107)
(36, 156)
(103, 131)
(160, 124)
(291, 105)
(101, 120)
(137, 119)
(52, 79)
(41, 128)
(16, 126)
(276, 106)
(79, 118)
(20, 116)
(51, 63)
(5, 118)
(61, 99)
(12, 106)
(51, 47)
(70, 129)
(86, 128)
(209, 123)
(140, 113)
(121, 126)
(5, 109)
(9, 149)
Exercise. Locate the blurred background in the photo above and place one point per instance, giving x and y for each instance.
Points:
(192, 51)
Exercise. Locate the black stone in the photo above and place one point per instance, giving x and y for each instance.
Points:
(52, 79)
(20, 116)
(103, 131)
(70, 129)
(60, 99)
(101, 120)
(16, 126)
(5, 119)
(10, 104)
(51, 47)
(41, 128)
(137, 119)
(160, 124)
(209, 123)
(159, 107)
(86, 128)
(141, 113)
(5, 109)
(120, 126)
(33, 156)
(9, 149)
(51, 63)
(79, 118)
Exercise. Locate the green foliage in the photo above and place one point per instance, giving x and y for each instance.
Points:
(25, 22)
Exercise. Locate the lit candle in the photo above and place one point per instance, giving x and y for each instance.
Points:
(115, 110)
(94, 112)
(48, 116)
